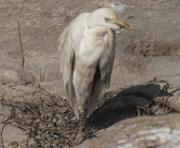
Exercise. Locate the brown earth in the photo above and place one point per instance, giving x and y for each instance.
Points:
(37, 113)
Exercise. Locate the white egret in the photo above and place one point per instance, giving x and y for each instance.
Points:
(87, 50)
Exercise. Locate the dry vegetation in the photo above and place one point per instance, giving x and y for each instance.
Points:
(49, 121)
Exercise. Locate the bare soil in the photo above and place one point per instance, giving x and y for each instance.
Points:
(144, 87)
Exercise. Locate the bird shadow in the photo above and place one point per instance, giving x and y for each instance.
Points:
(126, 104)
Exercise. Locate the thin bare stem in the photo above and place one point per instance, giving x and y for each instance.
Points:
(22, 53)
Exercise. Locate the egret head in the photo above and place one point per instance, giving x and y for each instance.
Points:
(107, 17)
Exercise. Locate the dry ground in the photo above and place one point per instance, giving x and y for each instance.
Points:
(142, 105)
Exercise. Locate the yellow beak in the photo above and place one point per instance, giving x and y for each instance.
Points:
(123, 24)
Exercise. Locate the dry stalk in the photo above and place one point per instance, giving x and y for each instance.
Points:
(22, 53)
(21, 45)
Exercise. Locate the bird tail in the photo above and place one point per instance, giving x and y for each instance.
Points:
(75, 109)
(72, 99)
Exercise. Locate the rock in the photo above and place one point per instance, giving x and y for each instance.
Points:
(14, 137)
(140, 132)
(5, 113)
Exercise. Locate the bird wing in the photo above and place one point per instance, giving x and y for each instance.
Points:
(102, 74)
(66, 54)
(68, 43)
(107, 60)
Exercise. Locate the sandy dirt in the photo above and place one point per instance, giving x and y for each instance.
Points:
(142, 104)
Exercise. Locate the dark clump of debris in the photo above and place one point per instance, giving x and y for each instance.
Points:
(50, 123)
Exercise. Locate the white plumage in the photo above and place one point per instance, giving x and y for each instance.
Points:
(87, 50)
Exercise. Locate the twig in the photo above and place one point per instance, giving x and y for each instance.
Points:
(21, 44)
(22, 53)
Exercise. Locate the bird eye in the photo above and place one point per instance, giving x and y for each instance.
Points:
(107, 19)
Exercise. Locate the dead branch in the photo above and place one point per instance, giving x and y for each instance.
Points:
(22, 53)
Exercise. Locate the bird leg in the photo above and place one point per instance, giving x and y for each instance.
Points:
(85, 124)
